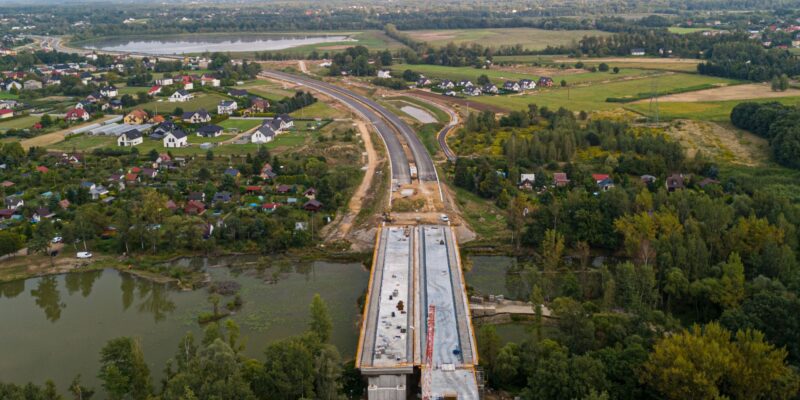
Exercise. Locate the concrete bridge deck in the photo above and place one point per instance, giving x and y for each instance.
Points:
(420, 266)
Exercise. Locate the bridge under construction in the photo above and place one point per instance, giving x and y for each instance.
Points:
(416, 267)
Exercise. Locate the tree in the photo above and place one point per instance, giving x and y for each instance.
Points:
(78, 391)
(488, 346)
(552, 249)
(123, 371)
(704, 363)
(483, 79)
(563, 83)
(321, 323)
(603, 67)
(616, 70)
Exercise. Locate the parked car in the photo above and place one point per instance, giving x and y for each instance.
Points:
(57, 239)
(84, 254)
(445, 218)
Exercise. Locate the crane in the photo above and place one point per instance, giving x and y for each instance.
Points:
(427, 375)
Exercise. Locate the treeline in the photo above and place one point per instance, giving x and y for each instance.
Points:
(748, 60)
(215, 367)
(287, 105)
(778, 123)
(356, 61)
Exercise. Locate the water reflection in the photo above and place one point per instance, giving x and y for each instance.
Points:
(82, 282)
(48, 298)
(155, 299)
(12, 289)
(127, 287)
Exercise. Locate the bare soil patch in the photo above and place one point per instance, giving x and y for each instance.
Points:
(734, 92)
(55, 137)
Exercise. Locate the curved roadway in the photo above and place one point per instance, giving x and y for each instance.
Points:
(386, 123)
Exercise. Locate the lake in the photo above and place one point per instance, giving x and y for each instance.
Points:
(55, 326)
(182, 44)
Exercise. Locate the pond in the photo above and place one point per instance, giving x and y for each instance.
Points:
(55, 326)
(488, 275)
(183, 44)
(419, 114)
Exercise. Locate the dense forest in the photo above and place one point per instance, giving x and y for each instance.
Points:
(778, 123)
(696, 276)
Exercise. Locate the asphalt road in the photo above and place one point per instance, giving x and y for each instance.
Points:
(387, 124)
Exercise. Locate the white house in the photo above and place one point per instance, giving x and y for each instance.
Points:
(384, 74)
(130, 138)
(13, 85)
(180, 96)
(109, 91)
(446, 84)
(637, 52)
(196, 117)
(208, 80)
(281, 122)
(176, 138)
(527, 84)
(512, 86)
(526, 181)
(227, 107)
(262, 135)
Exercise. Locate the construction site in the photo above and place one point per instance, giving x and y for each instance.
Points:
(417, 335)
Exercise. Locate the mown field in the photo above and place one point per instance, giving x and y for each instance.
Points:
(18, 123)
(374, 40)
(658, 64)
(718, 111)
(529, 38)
(590, 97)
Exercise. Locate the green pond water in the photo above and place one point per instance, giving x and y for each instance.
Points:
(488, 275)
(54, 327)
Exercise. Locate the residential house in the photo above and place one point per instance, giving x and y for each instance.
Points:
(527, 84)
(114, 104)
(267, 173)
(270, 207)
(675, 182)
(162, 129)
(637, 51)
(281, 122)
(149, 173)
(209, 131)
(176, 138)
(648, 179)
(98, 191)
(42, 169)
(32, 84)
(422, 82)
(208, 80)
(312, 205)
(526, 181)
(472, 91)
(197, 196)
(187, 83)
(464, 83)
(196, 117)
(511, 86)
(109, 91)
(130, 138)
(136, 117)
(310, 193)
(490, 89)
(77, 114)
(386, 74)
(232, 172)
(603, 181)
(227, 107)
(14, 202)
(11, 85)
(180, 96)
(64, 204)
(222, 197)
(156, 89)
(283, 189)
(259, 105)
(42, 213)
(560, 179)
(545, 81)
(6, 113)
(94, 97)
(6, 213)
(263, 134)
(194, 207)
(446, 85)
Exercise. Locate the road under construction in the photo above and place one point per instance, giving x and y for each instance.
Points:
(416, 334)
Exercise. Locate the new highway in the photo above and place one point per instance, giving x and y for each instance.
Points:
(386, 123)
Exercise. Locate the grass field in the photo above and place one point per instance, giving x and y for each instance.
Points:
(320, 109)
(6, 96)
(529, 38)
(208, 101)
(684, 31)
(718, 111)
(240, 124)
(498, 76)
(593, 97)
(18, 123)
